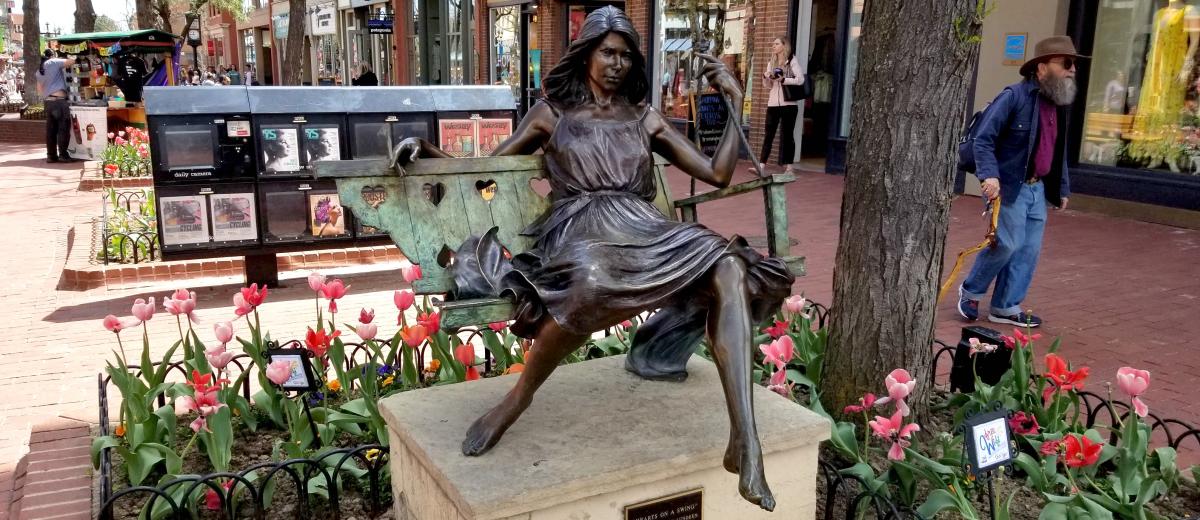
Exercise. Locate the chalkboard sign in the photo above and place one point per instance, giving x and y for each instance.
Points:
(711, 116)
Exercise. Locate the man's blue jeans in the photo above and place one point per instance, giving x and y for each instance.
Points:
(1012, 260)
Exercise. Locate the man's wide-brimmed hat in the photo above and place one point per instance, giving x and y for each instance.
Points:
(1048, 48)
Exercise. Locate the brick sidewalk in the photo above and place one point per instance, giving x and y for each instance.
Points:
(1117, 291)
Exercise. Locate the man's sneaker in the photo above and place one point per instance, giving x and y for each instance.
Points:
(968, 308)
(1021, 319)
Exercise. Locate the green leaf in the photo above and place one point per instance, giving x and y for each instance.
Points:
(1054, 511)
(1032, 469)
(938, 501)
(1094, 509)
(1163, 460)
(357, 407)
(166, 424)
(139, 463)
(99, 443)
(173, 461)
(219, 443)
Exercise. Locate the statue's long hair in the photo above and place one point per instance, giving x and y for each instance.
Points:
(566, 84)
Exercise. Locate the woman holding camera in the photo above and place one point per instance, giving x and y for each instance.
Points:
(783, 69)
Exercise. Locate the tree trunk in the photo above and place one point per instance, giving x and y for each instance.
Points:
(293, 60)
(32, 49)
(85, 16)
(147, 15)
(915, 65)
(163, 7)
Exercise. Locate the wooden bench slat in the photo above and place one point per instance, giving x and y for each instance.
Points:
(756, 184)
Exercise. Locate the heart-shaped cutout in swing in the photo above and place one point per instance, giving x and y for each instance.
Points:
(374, 196)
(540, 186)
(487, 189)
(433, 192)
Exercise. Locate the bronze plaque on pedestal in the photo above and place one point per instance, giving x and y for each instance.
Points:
(682, 506)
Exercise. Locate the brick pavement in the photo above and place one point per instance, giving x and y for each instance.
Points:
(1118, 292)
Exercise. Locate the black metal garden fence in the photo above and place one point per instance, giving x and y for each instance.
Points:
(127, 228)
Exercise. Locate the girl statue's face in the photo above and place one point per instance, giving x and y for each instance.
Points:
(609, 63)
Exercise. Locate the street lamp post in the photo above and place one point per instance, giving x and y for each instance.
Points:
(193, 36)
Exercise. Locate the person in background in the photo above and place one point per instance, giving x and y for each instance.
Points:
(234, 77)
(52, 85)
(366, 78)
(1024, 169)
(782, 70)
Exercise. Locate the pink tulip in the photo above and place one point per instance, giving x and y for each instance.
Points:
(316, 281)
(240, 306)
(899, 385)
(120, 141)
(411, 272)
(334, 289)
(782, 389)
(404, 299)
(778, 378)
(143, 310)
(224, 331)
(111, 135)
(218, 357)
(278, 372)
(181, 302)
(779, 352)
(184, 404)
(1134, 383)
(794, 305)
(366, 331)
(498, 326)
(199, 424)
(115, 324)
(894, 429)
(121, 133)
(366, 315)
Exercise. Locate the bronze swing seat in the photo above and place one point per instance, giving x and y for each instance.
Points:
(438, 203)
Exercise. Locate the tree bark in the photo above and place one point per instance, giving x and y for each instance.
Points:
(163, 8)
(147, 15)
(916, 61)
(85, 16)
(293, 61)
(32, 49)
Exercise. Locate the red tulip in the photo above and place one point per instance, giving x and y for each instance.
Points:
(318, 341)
(1081, 451)
(498, 326)
(778, 330)
(1023, 423)
(413, 336)
(1052, 448)
(253, 296)
(865, 403)
(212, 501)
(1020, 336)
(431, 321)
(1061, 378)
(366, 315)
(465, 354)
(111, 169)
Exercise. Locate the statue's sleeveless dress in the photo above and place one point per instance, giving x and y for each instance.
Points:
(604, 253)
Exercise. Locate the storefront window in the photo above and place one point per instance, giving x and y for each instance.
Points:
(851, 71)
(1143, 101)
(720, 28)
(454, 42)
(505, 55)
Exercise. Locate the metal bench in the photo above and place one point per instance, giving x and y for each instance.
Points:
(438, 203)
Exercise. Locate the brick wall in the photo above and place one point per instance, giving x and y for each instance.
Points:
(483, 34)
(771, 22)
(13, 130)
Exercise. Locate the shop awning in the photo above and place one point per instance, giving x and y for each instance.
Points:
(677, 45)
(146, 40)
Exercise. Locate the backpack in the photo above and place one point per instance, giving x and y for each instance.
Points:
(966, 143)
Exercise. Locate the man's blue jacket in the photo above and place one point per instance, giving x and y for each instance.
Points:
(1005, 140)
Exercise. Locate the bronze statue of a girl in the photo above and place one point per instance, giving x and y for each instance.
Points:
(604, 253)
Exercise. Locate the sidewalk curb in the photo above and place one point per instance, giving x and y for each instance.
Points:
(54, 478)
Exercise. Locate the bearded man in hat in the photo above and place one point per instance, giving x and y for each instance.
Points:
(1021, 159)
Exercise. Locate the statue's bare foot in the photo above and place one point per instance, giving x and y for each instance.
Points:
(487, 430)
(752, 483)
(733, 455)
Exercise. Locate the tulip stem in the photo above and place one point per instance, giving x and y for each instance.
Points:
(124, 358)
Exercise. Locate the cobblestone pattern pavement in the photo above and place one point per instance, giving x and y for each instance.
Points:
(1118, 292)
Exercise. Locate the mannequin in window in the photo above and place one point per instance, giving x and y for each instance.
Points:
(1174, 38)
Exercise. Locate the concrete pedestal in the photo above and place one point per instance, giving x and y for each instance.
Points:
(596, 440)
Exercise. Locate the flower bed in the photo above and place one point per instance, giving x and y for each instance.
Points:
(128, 228)
(126, 155)
(221, 434)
